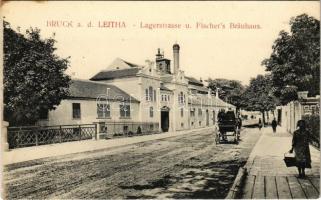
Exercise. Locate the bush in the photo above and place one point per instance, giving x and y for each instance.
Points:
(313, 126)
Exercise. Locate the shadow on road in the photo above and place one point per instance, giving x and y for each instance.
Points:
(208, 181)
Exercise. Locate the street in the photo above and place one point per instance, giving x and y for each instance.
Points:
(186, 166)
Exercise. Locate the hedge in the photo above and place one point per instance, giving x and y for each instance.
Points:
(313, 126)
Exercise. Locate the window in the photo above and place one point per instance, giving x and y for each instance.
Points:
(151, 112)
(192, 112)
(182, 125)
(124, 110)
(154, 95)
(214, 116)
(181, 98)
(103, 110)
(146, 94)
(151, 127)
(182, 112)
(43, 114)
(150, 92)
(76, 111)
(200, 112)
(168, 97)
(165, 97)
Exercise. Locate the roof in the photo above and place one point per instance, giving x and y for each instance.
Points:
(119, 63)
(162, 87)
(199, 88)
(194, 81)
(119, 68)
(119, 73)
(216, 102)
(92, 90)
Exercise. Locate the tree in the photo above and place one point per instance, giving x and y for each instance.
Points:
(230, 90)
(34, 79)
(295, 61)
(258, 96)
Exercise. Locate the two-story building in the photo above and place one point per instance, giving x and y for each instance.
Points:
(156, 96)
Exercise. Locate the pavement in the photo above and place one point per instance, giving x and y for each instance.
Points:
(268, 177)
(59, 149)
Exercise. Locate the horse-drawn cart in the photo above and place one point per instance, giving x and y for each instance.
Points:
(228, 126)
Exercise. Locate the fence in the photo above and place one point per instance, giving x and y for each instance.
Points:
(38, 135)
(127, 128)
(25, 136)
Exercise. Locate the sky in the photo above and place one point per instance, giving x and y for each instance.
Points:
(229, 53)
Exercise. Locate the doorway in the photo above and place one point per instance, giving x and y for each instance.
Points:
(207, 118)
(165, 119)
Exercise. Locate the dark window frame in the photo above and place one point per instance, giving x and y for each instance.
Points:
(76, 115)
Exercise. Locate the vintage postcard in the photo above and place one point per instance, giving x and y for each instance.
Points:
(160, 100)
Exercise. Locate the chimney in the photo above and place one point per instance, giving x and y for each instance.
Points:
(159, 55)
(176, 57)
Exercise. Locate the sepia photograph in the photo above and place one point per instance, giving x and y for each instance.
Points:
(160, 100)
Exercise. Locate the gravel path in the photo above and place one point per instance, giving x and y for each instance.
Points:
(187, 166)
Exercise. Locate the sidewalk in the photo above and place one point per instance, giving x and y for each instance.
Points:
(44, 151)
(268, 177)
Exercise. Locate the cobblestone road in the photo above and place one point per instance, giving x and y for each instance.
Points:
(187, 166)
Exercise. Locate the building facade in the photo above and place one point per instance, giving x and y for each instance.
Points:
(288, 115)
(157, 94)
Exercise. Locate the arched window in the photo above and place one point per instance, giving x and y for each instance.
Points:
(151, 112)
(181, 97)
(150, 93)
(214, 117)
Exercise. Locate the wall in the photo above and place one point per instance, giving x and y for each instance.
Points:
(62, 115)
(290, 114)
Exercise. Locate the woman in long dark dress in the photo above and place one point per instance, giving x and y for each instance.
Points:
(300, 145)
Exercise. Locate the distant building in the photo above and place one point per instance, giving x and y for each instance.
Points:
(290, 114)
(128, 93)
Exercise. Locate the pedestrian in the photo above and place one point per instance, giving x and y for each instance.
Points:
(274, 125)
(260, 123)
(300, 145)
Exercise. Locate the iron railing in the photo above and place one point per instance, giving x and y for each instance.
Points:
(38, 135)
(25, 136)
(127, 128)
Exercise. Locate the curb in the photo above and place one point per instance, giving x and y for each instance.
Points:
(236, 188)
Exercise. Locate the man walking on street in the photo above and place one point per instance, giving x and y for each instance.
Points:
(274, 125)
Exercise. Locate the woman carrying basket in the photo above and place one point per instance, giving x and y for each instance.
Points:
(300, 145)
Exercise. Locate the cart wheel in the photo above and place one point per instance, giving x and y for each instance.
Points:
(235, 137)
(217, 138)
(238, 132)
